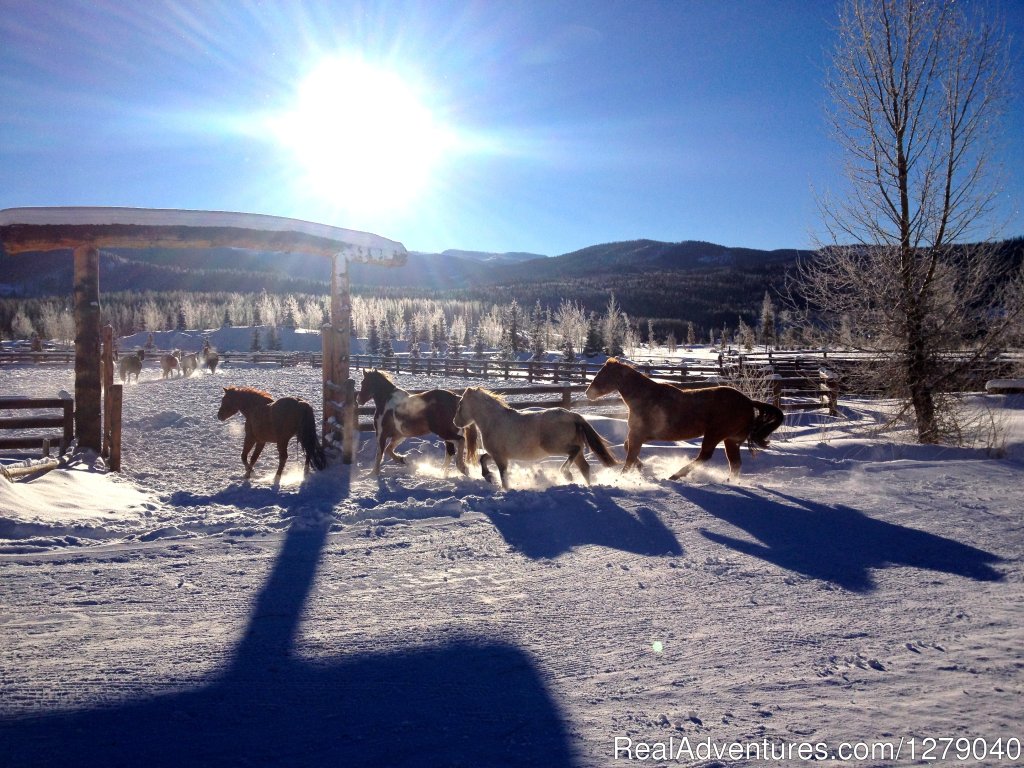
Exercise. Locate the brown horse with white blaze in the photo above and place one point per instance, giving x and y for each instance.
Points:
(660, 411)
(273, 421)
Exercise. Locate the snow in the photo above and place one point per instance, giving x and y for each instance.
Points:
(365, 244)
(850, 587)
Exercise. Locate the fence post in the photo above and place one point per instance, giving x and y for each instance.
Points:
(116, 393)
(69, 423)
(107, 380)
(567, 398)
(350, 428)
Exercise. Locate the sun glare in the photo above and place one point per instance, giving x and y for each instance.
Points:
(361, 137)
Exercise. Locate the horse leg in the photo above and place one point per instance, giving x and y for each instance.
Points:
(396, 440)
(632, 447)
(247, 445)
(381, 441)
(484, 468)
(732, 452)
(453, 448)
(502, 465)
(282, 456)
(255, 455)
(457, 447)
(707, 447)
(584, 466)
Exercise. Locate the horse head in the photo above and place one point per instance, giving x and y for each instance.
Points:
(229, 404)
(607, 379)
(462, 417)
(375, 384)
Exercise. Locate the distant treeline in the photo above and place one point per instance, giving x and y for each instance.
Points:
(446, 325)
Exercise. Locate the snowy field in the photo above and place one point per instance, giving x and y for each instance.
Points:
(848, 596)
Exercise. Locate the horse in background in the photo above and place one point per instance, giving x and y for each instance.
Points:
(210, 356)
(273, 421)
(660, 411)
(510, 434)
(169, 363)
(189, 363)
(131, 364)
(399, 414)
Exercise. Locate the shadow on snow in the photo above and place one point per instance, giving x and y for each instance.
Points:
(566, 518)
(834, 543)
(468, 701)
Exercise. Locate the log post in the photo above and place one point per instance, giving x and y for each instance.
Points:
(350, 428)
(107, 377)
(340, 348)
(326, 365)
(87, 348)
(115, 392)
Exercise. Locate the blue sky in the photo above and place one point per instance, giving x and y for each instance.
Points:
(498, 126)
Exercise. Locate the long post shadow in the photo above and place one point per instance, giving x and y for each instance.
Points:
(467, 701)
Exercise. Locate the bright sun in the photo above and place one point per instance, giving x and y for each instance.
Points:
(361, 136)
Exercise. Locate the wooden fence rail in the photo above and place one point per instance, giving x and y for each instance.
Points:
(65, 421)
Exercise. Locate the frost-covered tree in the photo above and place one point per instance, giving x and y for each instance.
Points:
(917, 89)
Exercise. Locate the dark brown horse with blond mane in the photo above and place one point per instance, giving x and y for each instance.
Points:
(273, 421)
(664, 412)
(399, 414)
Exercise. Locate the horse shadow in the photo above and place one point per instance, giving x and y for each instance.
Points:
(465, 701)
(561, 524)
(834, 543)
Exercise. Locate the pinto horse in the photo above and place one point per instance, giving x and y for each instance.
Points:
(664, 412)
(509, 434)
(269, 420)
(399, 414)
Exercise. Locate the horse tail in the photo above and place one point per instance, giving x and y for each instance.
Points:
(309, 440)
(472, 443)
(767, 418)
(596, 442)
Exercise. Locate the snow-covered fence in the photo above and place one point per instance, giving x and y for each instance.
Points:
(31, 425)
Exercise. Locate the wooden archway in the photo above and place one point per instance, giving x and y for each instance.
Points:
(85, 230)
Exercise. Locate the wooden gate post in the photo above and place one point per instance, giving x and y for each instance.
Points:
(107, 377)
(340, 348)
(115, 398)
(350, 429)
(87, 347)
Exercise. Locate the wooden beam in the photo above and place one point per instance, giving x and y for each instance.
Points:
(87, 347)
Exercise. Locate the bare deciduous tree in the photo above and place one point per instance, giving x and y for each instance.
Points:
(917, 88)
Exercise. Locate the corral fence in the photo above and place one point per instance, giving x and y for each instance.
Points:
(37, 423)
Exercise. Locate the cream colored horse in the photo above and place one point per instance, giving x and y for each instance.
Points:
(509, 434)
(169, 364)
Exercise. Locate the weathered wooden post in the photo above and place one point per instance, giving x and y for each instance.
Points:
(107, 377)
(350, 431)
(115, 399)
(87, 347)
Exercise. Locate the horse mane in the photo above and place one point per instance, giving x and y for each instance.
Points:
(492, 395)
(383, 374)
(251, 391)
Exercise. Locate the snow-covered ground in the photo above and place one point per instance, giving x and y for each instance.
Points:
(850, 591)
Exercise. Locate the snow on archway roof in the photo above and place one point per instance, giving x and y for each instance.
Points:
(47, 229)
